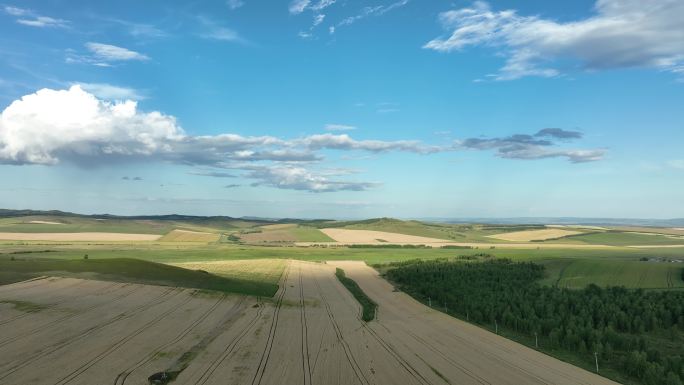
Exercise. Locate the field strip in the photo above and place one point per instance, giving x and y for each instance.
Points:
(378, 237)
(85, 236)
(473, 245)
(534, 235)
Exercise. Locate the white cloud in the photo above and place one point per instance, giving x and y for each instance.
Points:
(43, 127)
(43, 21)
(111, 53)
(377, 10)
(111, 92)
(621, 34)
(298, 178)
(298, 6)
(214, 31)
(339, 127)
(235, 4)
(75, 126)
(31, 19)
(16, 11)
(676, 163)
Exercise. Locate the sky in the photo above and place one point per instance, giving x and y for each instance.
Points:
(344, 109)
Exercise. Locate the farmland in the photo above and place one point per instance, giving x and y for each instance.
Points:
(310, 333)
(274, 293)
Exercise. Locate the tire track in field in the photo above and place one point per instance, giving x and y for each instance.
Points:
(306, 365)
(121, 377)
(19, 285)
(66, 342)
(388, 347)
(62, 299)
(90, 363)
(265, 355)
(229, 350)
(358, 372)
(448, 359)
(40, 328)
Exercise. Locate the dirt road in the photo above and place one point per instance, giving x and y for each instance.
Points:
(309, 333)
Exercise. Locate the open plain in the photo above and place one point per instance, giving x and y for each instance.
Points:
(84, 332)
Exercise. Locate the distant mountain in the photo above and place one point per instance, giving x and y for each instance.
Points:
(675, 222)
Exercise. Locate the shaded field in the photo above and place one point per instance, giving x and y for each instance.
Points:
(368, 306)
(135, 270)
(189, 236)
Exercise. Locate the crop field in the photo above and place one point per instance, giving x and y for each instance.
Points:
(189, 236)
(72, 331)
(614, 238)
(534, 235)
(351, 236)
(259, 270)
(78, 237)
(577, 274)
(284, 233)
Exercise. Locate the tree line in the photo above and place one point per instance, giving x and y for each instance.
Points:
(637, 333)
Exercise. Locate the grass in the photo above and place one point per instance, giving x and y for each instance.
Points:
(309, 234)
(368, 306)
(614, 238)
(577, 274)
(138, 271)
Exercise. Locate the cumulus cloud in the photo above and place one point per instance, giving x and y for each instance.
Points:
(620, 34)
(75, 126)
(537, 146)
(49, 124)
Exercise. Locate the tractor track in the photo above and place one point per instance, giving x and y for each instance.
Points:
(306, 364)
(261, 369)
(358, 372)
(66, 342)
(40, 328)
(230, 348)
(121, 377)
(80, 370)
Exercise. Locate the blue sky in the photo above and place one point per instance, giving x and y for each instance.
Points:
(344, 109)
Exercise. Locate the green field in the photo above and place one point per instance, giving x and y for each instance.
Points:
(578, 273)
(614, 238)
(309, 234)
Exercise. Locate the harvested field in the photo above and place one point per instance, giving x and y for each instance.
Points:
(279, 226)
(376, 237)
(46, 222)
(102, 332)
(189, 236)
(70, 237)
(534, 235)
